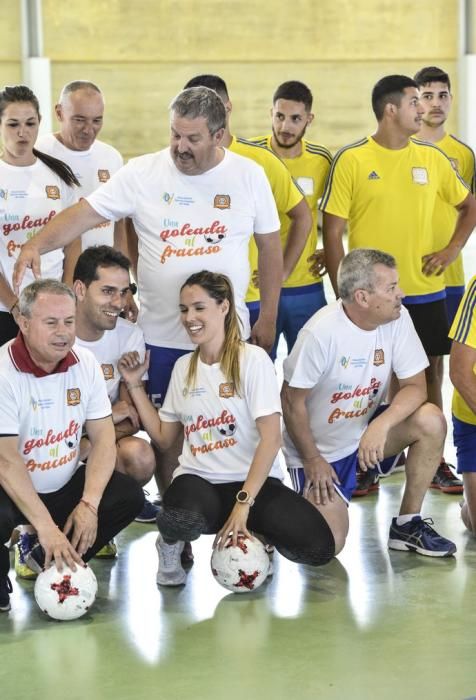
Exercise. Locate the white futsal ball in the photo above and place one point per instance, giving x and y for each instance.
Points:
(67, 594)
(242, 568)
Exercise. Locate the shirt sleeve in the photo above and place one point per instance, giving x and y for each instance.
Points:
(170, 411)
(306, 364)
(99, 405)
(463, 329)
(266, 215)
(116, 199)
(408, 357)
(337, 197)
(260, 386)
(452, 188)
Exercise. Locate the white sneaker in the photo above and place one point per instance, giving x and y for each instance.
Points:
(171, 572)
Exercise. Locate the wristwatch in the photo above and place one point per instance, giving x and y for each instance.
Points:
(245, 498)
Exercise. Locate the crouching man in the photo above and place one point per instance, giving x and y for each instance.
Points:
(49, 392)
(336, 379)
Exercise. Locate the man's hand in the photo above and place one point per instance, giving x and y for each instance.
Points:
(263, 333)
(29, 258)
(58, 548)
(319, 483)
(130, 308)
(372, 444)
(318, 263)
(83, 523)
(122, 410)
(436, 263)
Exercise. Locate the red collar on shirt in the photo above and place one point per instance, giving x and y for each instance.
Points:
(22, 361)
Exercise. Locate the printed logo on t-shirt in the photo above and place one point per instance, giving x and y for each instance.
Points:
(73, 396)
(191, 238)
(3, 194)
(226, 390)
(103, 175)
(420, 176)
(201, 432)
(359, 400)
(108, 371)
(52, 191)
(373, 176)
(306, 184)
(40, 403)
(379, 357)
(222, 201)
(182, 199)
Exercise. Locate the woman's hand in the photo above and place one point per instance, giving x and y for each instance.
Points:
(132, 368)
(234, 526)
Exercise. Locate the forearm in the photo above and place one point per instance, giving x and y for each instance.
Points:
(332, 233)
(149, 416)
(270, 271)
(65, 227)
(465, 384)
(120, 237)
(100, 466)
(124, 428)
(71, 255)
(299, 230)
(405, 402)
(296, 419)
(465, 224)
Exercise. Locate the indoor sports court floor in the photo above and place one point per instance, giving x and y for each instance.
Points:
(371, 624)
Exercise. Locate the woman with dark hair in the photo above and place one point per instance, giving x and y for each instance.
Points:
(225, 398)
(33, 188)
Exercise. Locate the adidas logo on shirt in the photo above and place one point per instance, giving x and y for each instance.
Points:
(373, 176)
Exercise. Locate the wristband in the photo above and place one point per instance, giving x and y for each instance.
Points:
(89, 505)
(134, 386)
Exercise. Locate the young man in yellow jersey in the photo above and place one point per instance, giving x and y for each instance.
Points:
(385, 187)
(294, 214)
(462, 373)
(309, 164)
(435, 100)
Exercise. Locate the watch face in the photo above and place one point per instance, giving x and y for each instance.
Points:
(242, 496)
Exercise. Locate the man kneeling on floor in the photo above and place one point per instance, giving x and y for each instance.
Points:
(336, 379)
(49, 392)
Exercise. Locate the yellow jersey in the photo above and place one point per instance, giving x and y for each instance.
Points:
(388, 197)
(463, 331)
(285, 191)
(444, 216)
(309, 170)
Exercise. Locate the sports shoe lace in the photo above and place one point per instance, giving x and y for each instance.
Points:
(425, 524)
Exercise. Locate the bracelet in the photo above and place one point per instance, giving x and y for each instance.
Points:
(134, 386)
(15, 304)
(89, 505)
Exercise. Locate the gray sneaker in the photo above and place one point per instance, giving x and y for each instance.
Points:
(171, 571)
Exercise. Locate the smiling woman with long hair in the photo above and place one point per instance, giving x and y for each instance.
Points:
(224, 397)
(34, 187)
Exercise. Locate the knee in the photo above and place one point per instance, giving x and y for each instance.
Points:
(135, 457)
(430, 422)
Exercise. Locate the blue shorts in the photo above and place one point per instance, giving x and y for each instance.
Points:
(464, 439)
(295, 308)
(162, 361)
(453, 299)
(346, 469)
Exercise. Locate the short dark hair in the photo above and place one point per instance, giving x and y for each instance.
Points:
(295, 91)
(389, 89)
(86, 268)
(432, 74)
(214, 82)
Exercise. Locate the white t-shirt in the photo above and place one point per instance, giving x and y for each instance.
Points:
(30, 196)
(47, 413)
(92, 168)
(186, 224)
(220, 434)
(125, 337)
(348, 371)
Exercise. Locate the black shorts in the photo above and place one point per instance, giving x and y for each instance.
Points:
(431, 324)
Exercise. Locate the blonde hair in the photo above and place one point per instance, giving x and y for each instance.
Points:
(219, 288)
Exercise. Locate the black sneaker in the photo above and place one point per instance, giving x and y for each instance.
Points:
(5, 590)
(445, 480)
(367, 482)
